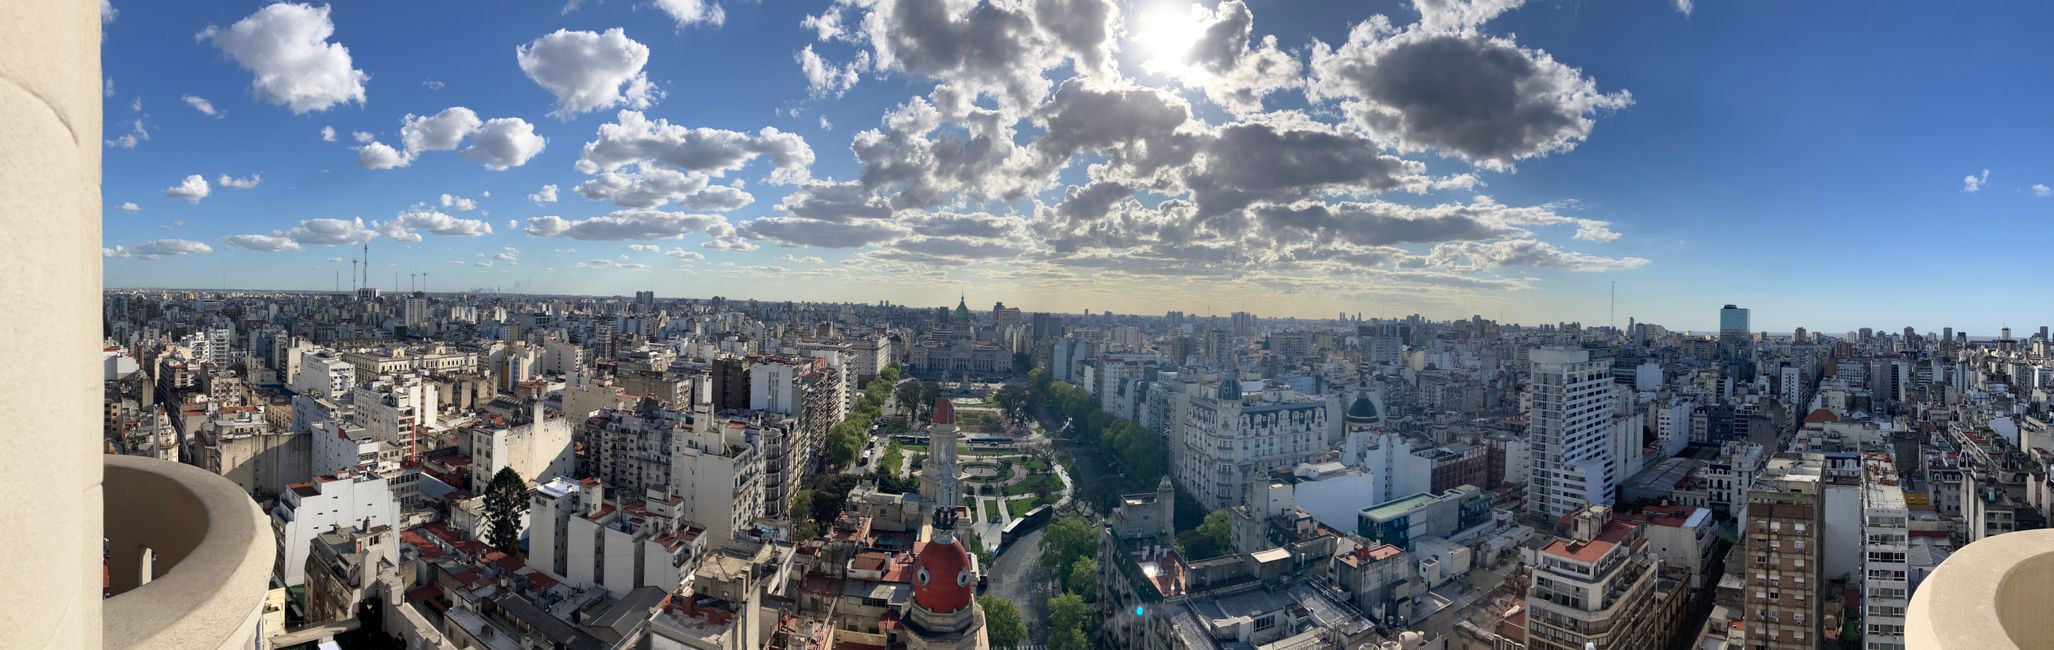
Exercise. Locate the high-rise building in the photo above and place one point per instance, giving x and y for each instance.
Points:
(1570, 433)
(1885, 540)
(1595, 588)
(1784, 559)
(1733, 332)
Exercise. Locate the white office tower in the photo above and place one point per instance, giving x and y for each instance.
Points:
(1570, 431)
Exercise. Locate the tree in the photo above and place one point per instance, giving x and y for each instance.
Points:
(1083, 579)
(506, 499)
(1068, 616)
(908, 396)
(1068, 538)
(1012, 400)
(1215, 536)
(894, 456)
(1003, 624)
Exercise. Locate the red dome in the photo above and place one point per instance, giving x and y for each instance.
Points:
(944, 411)
(941, 577)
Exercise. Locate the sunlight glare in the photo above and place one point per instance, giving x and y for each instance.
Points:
(1167, 35)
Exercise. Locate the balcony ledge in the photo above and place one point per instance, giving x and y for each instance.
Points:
(212, 550)
(1990, 595)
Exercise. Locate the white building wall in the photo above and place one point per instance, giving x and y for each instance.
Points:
(771, 389)
(348, 503)
(1337, 500)
(623, 562)
(582, 552)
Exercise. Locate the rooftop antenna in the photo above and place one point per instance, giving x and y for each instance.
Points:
(353, 275)
(367, 265)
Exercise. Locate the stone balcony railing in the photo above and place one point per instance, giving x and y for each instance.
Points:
(1990, 595)
(188, 557)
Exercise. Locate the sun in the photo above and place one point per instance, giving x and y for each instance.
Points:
(1167, 35)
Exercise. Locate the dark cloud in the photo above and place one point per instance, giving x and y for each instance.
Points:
(1466, 94)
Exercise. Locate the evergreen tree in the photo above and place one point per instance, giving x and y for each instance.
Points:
(506, 499)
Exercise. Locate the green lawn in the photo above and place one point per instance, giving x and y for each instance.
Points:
(1028, 486)
(1017, 507)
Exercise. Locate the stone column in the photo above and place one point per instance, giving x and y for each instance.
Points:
(50, 377)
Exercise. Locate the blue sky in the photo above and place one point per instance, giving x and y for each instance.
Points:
(1806, 160)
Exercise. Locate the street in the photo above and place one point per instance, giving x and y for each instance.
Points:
(1016, 577)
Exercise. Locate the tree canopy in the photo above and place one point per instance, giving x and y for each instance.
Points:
(506, 499)
(1003, 624)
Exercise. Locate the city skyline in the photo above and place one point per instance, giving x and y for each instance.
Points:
(1526, 221)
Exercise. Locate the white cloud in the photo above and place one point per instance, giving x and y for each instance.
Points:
(363, 137)
(504, 142)
(826, 125)
(262, 243)
(405, 225)
(329, 232)
(458, 203)
(809, 259)
(130, 207)
(588, 71)
(431, 84)
(633, 138)
(1000, 50)
(203, 106)
(633, 224)
(137, 133)
(508, 254)
(230, 182)
(649, 186)
(644, 248)
(159, 248)
(682, 254)
(545, 195)
(1523, 252)
(327, 134)
(1685, 6)
(192, 189)
(440, 132)
(611, 264)
(378, 155)
(824, 78)
(1973, 183)
(286, 47)
(2041, 190)
(107, 84)
(692, 12)
(498, 143)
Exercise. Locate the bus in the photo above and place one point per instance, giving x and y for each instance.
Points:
(1027, 523)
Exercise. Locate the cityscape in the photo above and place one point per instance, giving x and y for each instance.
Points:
(1025, 325)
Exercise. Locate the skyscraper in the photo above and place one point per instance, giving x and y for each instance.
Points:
(1571, 464)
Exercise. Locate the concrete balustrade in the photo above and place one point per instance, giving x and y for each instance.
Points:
(1990, 595)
